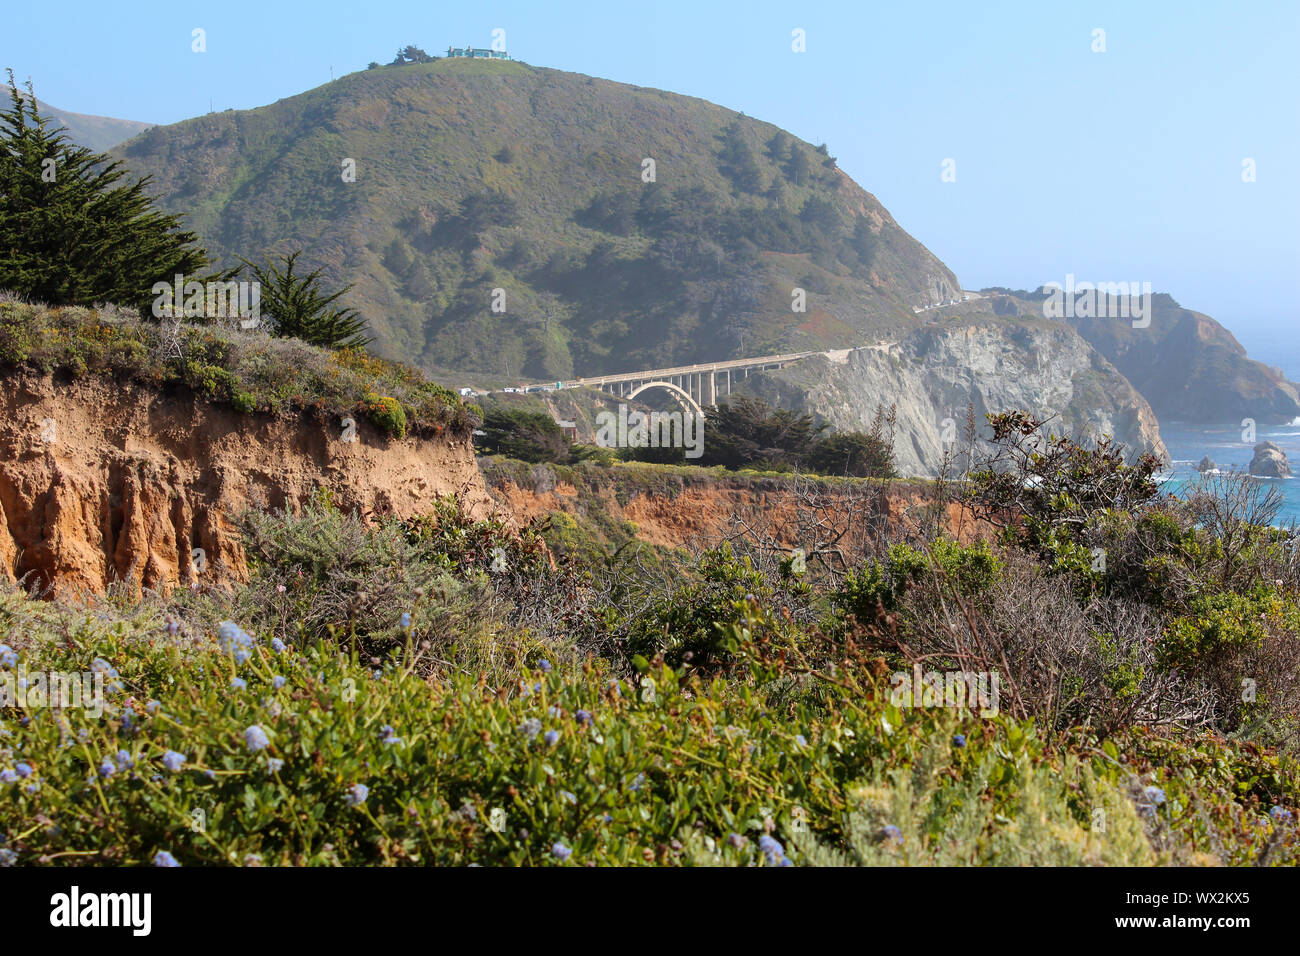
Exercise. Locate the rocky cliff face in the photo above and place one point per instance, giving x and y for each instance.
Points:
(1190, 368)
(102, 482)
(932, 375)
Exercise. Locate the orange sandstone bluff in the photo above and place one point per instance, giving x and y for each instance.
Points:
(102, 482)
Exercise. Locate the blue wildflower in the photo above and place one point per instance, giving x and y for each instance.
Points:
(8, 657)
(771, 847)
(959, 740)
(1279, 813)
(356, 795)
(552, 738)
(278, 645)
(891, 834)
(163, 858)
(106, 768)
(390, 735)
(531, 727)
(736, 840)
(545, 665)
(1155, 795)
(153, 706)
(99, 665)
(801, 740)
(24, 770)
(255, 739)
(583, 716)
(235, 640)
(8, 775)
(8, 857)
(124, 761)
(238, 683)
(173, 761)
(406, 620)
(560, 851)
(277, 681)
(274, 765)
(569, 796)
(173, 628)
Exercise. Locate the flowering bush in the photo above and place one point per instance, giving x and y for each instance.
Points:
(320, 758)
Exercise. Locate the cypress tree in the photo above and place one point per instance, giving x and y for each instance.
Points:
(70, 233)
(298, 307)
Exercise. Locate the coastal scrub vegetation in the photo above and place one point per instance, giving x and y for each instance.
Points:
(449, 690)
(247, 370)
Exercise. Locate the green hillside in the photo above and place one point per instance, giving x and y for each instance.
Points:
(473, 176)
(93, 132)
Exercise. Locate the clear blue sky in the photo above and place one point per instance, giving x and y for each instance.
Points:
(1122, 165)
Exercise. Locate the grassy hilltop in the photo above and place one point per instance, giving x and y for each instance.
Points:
(473, 176)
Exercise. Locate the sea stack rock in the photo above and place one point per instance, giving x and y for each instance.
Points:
(1207, 464)
(1269, 461)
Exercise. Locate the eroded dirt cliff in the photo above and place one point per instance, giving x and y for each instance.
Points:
(696, 508)
(103, 482)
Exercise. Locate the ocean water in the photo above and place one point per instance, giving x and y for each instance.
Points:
(1275, 345)
(1188, 443)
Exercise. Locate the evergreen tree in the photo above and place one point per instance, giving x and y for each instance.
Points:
(411, 54)
(299, 309)
(822, 215)
(864, 244)
(69, 233)
(483, 210)
(798, 169)
(856, 454)
(746, 432)
(778, 147)
(519, 433)
(738, 160)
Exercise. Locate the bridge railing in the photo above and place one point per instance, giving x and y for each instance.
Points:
(726, 365)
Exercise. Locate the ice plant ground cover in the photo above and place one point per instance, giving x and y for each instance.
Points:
(324, 758)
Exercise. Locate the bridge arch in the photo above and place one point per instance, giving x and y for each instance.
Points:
(683, 397)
